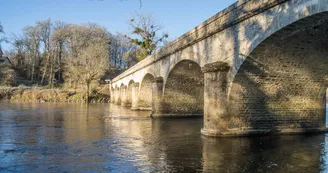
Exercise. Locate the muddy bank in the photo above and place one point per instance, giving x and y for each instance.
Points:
(37, 94)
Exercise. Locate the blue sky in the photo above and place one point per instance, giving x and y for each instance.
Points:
(176, 16)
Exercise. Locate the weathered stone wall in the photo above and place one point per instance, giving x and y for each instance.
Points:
(117, 96)
(238, 38)
(231, 16)
(129, 93)
(282, 83)
(230, 36)
(145, 93)
(184, 90)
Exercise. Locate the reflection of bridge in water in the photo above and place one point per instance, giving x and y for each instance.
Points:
(176, 145)
(109, 138)
(257, 67)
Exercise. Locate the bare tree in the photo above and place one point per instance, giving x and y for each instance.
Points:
(59, 37)
(78, 55)
(18, 55)
(2, 38)
(45, 31)
(87, 62)
(146, 29)
(32, 43)
(1, 28)
(122, 51)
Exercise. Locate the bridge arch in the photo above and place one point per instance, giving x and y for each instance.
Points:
(281, 83)
(185, 55)
(145, 96)
(129, 93)
(263, 64)
(184, 90)
(117, 95)
(254, 31)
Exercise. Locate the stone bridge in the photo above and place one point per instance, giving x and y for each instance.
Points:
(257, 67)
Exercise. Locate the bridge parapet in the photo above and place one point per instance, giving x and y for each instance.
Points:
(236, 13)
(260, 67)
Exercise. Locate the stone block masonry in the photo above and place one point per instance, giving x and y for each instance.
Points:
(257, 67)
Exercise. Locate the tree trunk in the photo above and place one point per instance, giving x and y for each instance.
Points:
(51, 72)
(60, 77)
(88, 91)
(45, 69)
(32, 71)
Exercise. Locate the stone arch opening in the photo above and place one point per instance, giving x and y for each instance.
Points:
(117, 95)
(184, 90)
(122, 99)
(281, 85)
(129, 93)
(145, 93)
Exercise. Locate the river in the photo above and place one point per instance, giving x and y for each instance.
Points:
(48, 137)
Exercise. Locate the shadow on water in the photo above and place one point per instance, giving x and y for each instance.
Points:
(102, 138)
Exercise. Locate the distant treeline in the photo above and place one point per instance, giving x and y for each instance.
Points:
(76, 56)
(51, 53)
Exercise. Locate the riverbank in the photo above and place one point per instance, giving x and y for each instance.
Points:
(39, 94)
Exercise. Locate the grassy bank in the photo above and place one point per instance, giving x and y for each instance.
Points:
(38, 94)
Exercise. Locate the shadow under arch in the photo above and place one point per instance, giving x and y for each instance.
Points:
(117, 95)
(122, 97)
(282, 83)
(184, 90)
(145, 92)
(129, 93)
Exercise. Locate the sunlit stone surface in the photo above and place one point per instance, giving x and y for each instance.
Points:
(264, 70)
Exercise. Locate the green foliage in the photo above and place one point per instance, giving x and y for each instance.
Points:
(146, 30)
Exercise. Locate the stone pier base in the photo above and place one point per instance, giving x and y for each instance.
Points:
(126, 104)
(156, 115)
(252, 132)
(141, 109)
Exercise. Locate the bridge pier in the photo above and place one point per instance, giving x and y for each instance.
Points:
(157, 103)
(216, 99)
(124, 95)
(112, 95)
(272, 80)
(117, 96)
(135, 96)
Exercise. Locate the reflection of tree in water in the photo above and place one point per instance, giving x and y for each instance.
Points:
(176, 145)
(50, 135)
(73, 134)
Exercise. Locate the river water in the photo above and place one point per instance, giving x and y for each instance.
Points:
(48, 137)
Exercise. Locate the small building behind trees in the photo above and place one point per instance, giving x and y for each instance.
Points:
(4, 59)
